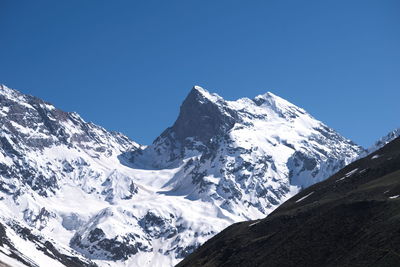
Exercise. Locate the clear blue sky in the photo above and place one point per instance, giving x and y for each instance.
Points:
(127, 65)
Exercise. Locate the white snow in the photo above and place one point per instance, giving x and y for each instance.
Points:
(301, 199)
(206, 94)
(9, 260)
(4, 111)
(254, 223)
(350, 173)
(29, 251)
(341, 179)
(97, 189)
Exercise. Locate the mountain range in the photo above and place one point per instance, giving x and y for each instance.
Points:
(74, 194)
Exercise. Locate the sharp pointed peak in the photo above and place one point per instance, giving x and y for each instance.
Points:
(199, 88)
(202, 93)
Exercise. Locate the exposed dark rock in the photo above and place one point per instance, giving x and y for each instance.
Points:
(157, 226)
(117, 248)
(201, 118)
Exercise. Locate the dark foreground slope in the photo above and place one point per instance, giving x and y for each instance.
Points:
(350, 219)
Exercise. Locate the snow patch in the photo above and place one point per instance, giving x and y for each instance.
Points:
(254, 223)
(301, 199)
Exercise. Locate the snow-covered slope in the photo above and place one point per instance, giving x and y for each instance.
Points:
(24, 246)
(118, 203)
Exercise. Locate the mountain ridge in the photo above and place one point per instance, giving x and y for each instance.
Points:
(220, 162)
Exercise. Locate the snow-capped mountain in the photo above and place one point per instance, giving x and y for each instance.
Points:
(98, 193)
(384, 140)
(245, 156)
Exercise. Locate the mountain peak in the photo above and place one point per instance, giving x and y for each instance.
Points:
(202, 94)
(4, 88)
(8, 92)
(278, 104)
(202, 115)
(270, 97)
(384, 140)
(199, 88)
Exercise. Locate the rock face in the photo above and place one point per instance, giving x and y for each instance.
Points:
(350, 219)
(112, 200)
(203, 116)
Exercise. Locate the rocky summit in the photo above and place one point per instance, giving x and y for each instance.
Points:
(73, 193)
